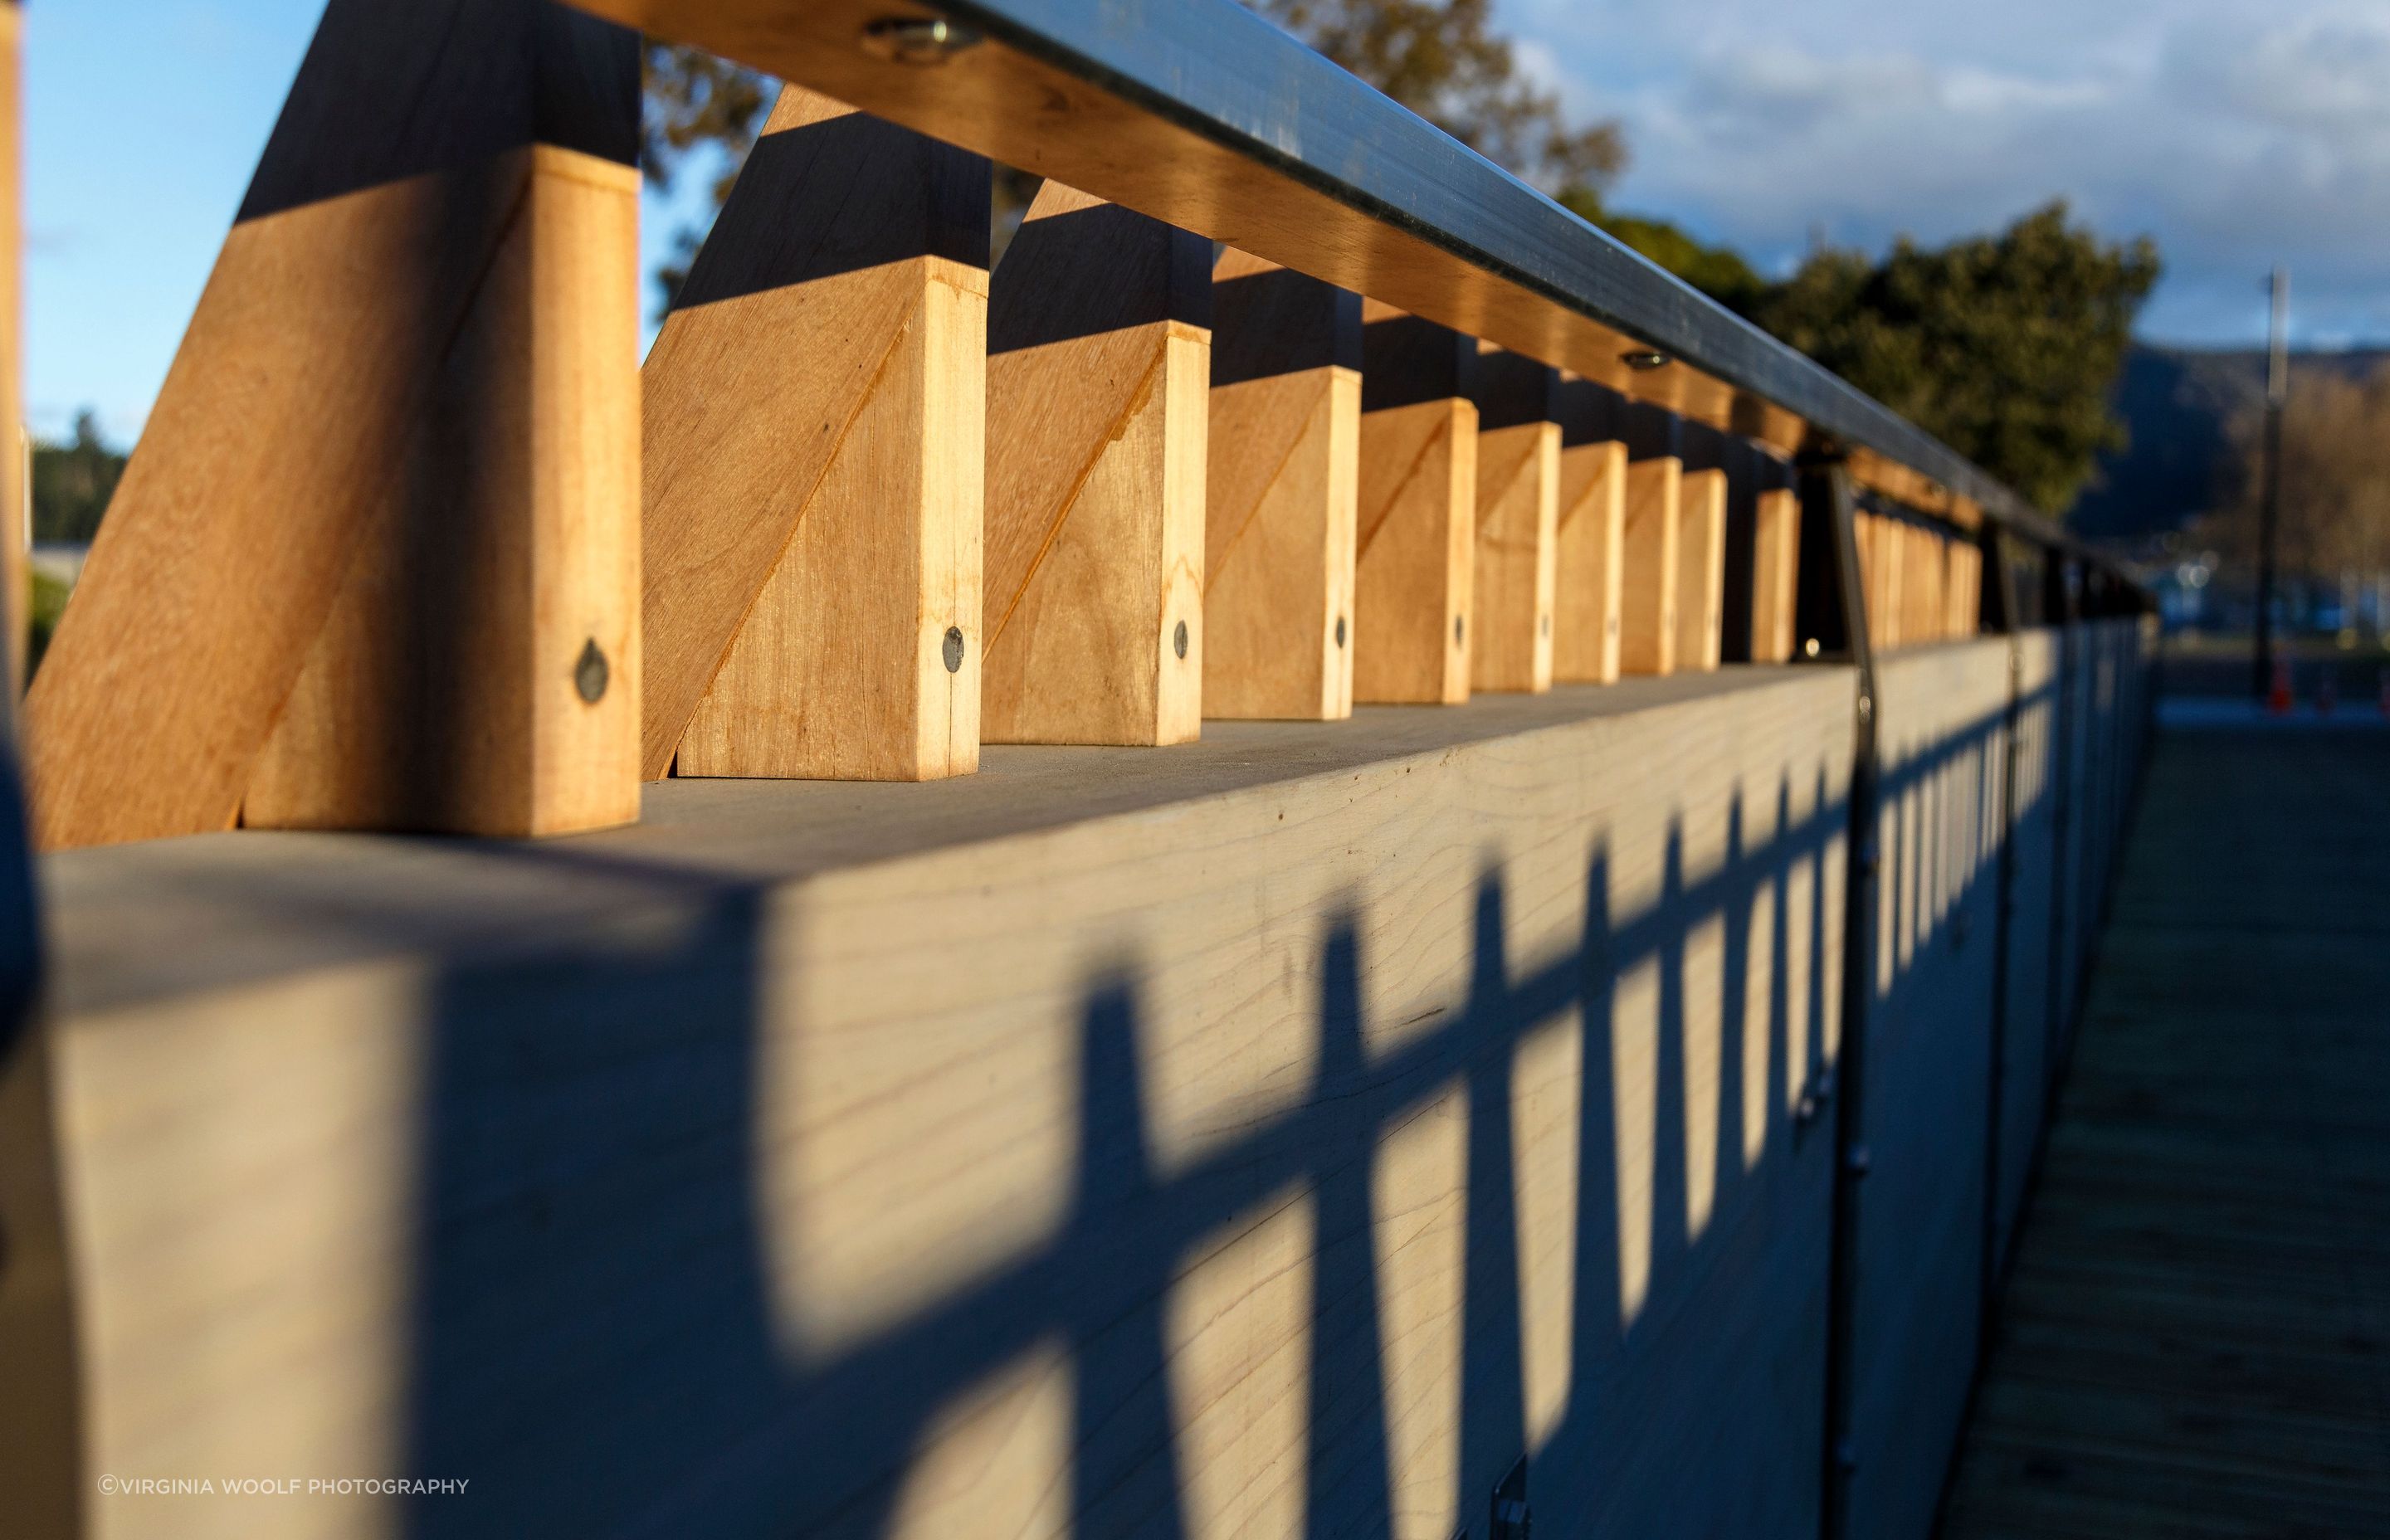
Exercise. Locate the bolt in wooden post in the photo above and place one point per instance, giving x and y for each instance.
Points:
(385, 515)
(1098, 405)
(1585, 546)
(1415, 569)
(1700, 551)
(1518, 517)
(814, 464)
(1282, 494)
(1649, 585)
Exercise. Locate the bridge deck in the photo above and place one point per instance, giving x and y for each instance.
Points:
(2195, 1339)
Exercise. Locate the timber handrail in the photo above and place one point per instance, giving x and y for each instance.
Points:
(1203, 115)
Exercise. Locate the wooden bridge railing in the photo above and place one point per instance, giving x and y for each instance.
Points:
(1220, 1107)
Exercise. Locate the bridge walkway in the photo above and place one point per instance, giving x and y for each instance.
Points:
(2194, 1340)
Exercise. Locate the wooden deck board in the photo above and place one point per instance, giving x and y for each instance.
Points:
(2195, 1339)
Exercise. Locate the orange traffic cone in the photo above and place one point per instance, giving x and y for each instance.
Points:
(2278, 700)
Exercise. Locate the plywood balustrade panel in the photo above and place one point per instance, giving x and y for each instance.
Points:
(1282, 494)
(1700, 569)
(423, 320)
(1098, 406)
(1415, 561)
(1278, 1135)
(1518, 517)
(1588, 528)
(814, 464)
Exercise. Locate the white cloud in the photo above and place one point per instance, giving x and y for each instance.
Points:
(2236, 136)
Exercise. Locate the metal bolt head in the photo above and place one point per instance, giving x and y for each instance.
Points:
(590, 672)
(1178, 639)
(1644, 360)
(1459, 630)
(919, 40)
(1810, 648)
(953, 649)
(1339, 631)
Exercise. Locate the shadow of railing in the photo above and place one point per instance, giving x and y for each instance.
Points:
(598, 1335)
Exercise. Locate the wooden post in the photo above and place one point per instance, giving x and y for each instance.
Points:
(1775, 566)
(385, 514)
(16, 515)
(1879, 558)
(1700, 552)
(1413, 570)
(1283, 493)
(1098, 399)
(1649, 585)
(1587, 535)
(813, 464)
(1926, 567)
(40, 1411)
(1963, 605)
(1518, 517)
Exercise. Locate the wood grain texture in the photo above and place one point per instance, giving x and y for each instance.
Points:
(1926, 554)
(1776, 572)
(814, 464)
(947, 1133)
(1515, 568)
(1882, 570)
(1099, 388)
(1649, 588)
(1413, 567)
(1700, 569)
(1518, 517)
(1588, 562)
(1282, 494)
(444, 691)
(1964, 592)
(324, 351)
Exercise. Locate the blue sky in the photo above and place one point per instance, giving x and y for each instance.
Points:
(2237, 132)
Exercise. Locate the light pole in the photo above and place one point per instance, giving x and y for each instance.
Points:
(2269, 497)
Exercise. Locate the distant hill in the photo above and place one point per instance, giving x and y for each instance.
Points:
(2176, 404)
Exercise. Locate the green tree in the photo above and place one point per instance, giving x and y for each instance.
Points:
(2003, 346)
(1717, 270)
(72, 482)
